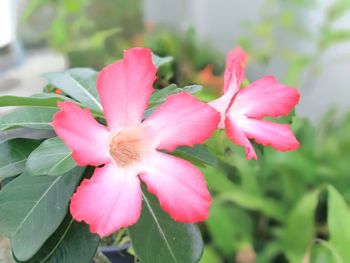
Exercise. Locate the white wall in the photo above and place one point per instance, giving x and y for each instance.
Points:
(7, 22)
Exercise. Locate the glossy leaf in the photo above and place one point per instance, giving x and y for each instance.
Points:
(13, 156)
(31, 209)
(79, 83)
(72, 242)
(338, 223)
(198, 154)
(31, 117)
(52, 157)
(160, 95)
(156, 238)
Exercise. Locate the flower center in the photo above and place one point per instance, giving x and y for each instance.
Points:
(128, 147)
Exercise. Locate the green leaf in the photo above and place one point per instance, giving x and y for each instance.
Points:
(42, 100)
(199, 154)
(52, 157)
(13, 156)
(79, 83)
(156, 238)
(218, 181)
(72, 242)
(31, 209)
(96, 40)
(300, 227)
(323, 252)
(250, 201)
(160, 95)
(25, 133)
(160, 61)
(229, 227)
(31, 117)
(338, 223)
(210, 256)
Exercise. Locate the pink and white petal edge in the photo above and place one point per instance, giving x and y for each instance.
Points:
(237, 135)
(181, 120)
(222, 104)
(125, 87)
(82, 134)
(179, 186)
(265, 97)
(108, 201)
(278, 136)
(235, 66)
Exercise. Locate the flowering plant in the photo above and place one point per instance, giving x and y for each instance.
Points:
(76, 160)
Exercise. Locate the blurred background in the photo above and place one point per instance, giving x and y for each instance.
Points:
(272, 210)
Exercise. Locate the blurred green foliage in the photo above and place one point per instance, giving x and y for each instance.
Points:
(286, 207)
(291, 20)
(289, 207)
(89, 32)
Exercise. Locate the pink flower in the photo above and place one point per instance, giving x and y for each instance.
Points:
(242, 110)
(129, 148)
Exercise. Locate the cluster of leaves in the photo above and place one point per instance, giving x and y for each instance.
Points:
(94, 33)
(38, 177)
(287, 207)
(90, 32)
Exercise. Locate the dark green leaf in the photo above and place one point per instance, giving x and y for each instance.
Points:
(72, 242)
(31, 209)
(13, 156)
(160, 95)
(338, 223)
(31, 117)
(156, 238)
(199, 154)
(79, 83)
(52, 157)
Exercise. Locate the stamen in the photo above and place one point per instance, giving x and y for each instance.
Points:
(125, 149)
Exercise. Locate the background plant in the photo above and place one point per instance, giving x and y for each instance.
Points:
(286, 207)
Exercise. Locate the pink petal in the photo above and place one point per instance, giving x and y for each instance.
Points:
(235, 66)
(125, 87)
(236, 134)
(279, 136)
(182, 120)
(221, 104)
(179, 186)
(265, 97)
(108, 201)
(87, 138)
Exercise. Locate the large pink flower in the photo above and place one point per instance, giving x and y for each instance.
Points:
(129, 148)
(242, 110)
